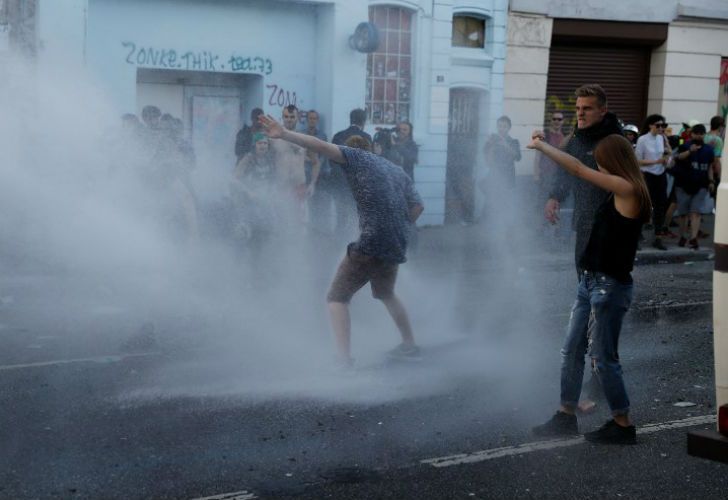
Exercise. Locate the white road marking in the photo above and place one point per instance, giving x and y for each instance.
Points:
(676, 424)
(95, 359)
(237, 495)
(480, 456)
(673, 305)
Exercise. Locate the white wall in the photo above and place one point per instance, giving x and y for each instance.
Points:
(685, 72)
(526, 73)
(649, 11)
(438, 67)
(203, 36)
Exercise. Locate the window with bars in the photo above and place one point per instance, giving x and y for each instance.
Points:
(389, 68)
(468, 31)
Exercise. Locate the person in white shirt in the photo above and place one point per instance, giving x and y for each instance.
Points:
(653, 152)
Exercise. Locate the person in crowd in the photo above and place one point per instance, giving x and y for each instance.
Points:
(254, 194)
(383, 145)
(313, 167)
(694, 181)
(674, 142)
(173, 144)
(631, 133)
(686, 129)
(130, 123)
(653, 153)
(244, 137)
(290, 160)
(175, 196)
(714, 139)
(404, 146)
(343, 200)
(387, 204)
(318, 179)
(151, 116)
(545, 168)
(128, 155)
(502, 152)
(593, 123)
(605, 285)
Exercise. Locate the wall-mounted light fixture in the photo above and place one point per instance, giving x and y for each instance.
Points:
(365, 38)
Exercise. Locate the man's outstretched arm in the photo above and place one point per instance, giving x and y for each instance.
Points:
(275, 130)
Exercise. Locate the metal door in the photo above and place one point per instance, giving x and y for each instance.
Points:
(462, 149)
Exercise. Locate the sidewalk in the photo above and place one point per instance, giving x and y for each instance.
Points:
(457, 241)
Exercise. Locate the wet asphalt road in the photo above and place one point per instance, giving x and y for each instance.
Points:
(167, 419)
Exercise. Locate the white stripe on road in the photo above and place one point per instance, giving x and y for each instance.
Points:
(480, 456)
(676, 424)
(237, 495)
(96, 359)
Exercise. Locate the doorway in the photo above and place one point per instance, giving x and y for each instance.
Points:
(464, 124)
(213, 107)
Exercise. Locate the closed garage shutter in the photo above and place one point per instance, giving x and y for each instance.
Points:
(622, 71)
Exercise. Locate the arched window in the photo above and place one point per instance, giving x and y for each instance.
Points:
(389, 68)
(468, 31)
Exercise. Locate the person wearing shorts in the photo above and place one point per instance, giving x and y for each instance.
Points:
(356, 270)
(388, 205)
(693, 181)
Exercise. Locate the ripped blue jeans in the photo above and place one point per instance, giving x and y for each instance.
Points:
(604, 300)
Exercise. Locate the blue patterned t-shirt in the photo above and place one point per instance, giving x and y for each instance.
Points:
(384, 195)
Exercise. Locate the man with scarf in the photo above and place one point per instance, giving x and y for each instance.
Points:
(593, 123)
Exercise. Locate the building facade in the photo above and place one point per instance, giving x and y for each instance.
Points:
(439, 65)
(653, 56)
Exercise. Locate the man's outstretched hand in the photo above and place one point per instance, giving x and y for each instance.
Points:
(271, 127)
(536, 137)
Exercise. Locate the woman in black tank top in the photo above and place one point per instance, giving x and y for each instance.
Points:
(605, 286)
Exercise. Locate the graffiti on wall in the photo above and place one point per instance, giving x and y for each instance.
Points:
(205, 60)
(280, 97)
(723, 95)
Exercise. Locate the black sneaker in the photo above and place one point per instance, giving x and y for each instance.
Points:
(613, 433)
(682, 242)
(657, 243)
(561, 424)
(693, 244)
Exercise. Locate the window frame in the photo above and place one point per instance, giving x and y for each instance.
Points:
(476, 17)
(384, 92)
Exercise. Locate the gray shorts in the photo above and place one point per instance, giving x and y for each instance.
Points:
(692, 203)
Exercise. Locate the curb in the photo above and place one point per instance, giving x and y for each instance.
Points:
(673, 257)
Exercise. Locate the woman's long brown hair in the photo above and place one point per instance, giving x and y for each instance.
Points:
(615, 154)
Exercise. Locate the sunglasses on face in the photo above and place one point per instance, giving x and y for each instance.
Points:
(660, 125)
(557, 119)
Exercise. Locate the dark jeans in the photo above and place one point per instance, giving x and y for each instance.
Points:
(657, 186)
(604, 300)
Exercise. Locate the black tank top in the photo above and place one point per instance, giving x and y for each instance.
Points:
(612, 243)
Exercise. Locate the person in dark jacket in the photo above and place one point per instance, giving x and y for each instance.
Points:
(605, 288)
(405, 147)
(694, 181)
(593, 123)
(340, 190)
(244, 139)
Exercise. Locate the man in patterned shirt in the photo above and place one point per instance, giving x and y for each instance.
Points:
(388, 205)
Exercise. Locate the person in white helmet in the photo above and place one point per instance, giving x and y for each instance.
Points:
(631, 132)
